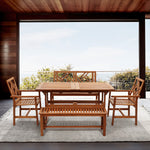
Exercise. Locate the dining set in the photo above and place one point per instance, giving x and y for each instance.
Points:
(75, 84)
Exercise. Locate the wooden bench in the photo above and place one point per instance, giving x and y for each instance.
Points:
(74, 76)
(73, 109)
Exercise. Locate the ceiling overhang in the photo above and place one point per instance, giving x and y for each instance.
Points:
(66, 7)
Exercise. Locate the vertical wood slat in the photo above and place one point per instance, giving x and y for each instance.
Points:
(9, 50)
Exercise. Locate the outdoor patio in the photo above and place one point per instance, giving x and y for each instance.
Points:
(129, 131)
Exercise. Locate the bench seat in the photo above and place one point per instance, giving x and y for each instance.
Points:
(73, 110)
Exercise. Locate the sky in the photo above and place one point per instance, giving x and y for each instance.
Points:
(97, 46)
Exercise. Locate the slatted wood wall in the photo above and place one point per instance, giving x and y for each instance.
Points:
(9, 60)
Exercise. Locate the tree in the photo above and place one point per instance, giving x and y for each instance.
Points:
(43, 75)
(29, 83)
(124, 80)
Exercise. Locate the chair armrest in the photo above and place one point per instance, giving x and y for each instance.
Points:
(36, 92)
(130, 96)
(127, 91)
(19, 96)
(30, 96)
(15, 96)
(121, 91)
(28, 91)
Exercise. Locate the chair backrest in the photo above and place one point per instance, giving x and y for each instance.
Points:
(74, 76)
(12, 86)
(137, 86)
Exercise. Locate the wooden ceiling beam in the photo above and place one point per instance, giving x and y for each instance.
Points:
(78, 16)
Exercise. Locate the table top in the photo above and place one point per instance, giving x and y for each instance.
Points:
(74, 86)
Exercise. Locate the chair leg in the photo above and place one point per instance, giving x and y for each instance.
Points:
(102, 122)
(108, 108)
(40, 104)
(36, 110)
(136, 112)
(14, 107)
(113, 115)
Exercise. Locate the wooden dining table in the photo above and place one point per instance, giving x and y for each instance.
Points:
(75, 88)
(75, 107)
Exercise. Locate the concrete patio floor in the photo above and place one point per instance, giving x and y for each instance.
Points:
(80, 146)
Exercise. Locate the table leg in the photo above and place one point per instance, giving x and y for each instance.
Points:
(102, 97)
(105, 93)
(46, 98)
(51, 97)
(98, 97)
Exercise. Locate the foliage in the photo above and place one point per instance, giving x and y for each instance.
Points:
(125, 80)
(43, 75)
(29, 83)
(70, 76)
(67, 68)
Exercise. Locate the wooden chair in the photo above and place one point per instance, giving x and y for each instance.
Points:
(19, 100)
(131, 99)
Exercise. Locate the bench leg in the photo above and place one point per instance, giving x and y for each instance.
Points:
(20, 111)
(41, 124)
(36, 111)
(113, 116)
(104, 125)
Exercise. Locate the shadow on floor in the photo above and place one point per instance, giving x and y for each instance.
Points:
(5, 105)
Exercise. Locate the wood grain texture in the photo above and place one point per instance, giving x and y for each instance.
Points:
(73, 109)
(74, 86)
(61, 6)
(8, 52)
